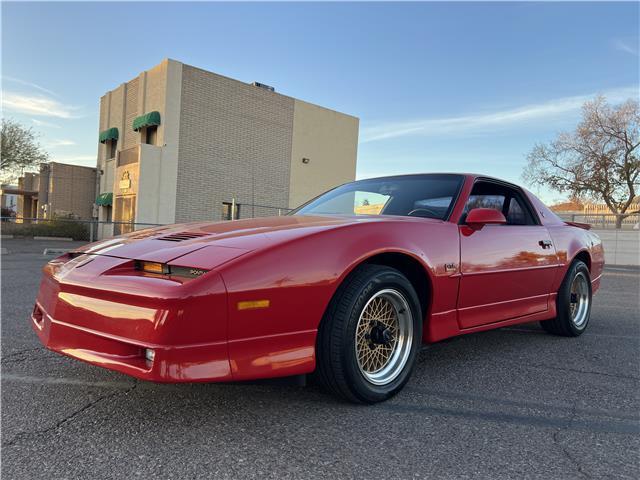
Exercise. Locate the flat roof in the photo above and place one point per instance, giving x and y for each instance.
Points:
(166, 60)
(18, 191)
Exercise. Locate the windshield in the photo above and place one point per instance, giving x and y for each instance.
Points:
(428, 196)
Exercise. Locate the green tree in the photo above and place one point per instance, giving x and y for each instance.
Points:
(19, 149)
(597, 161)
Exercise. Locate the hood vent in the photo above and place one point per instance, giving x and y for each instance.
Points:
(142, 235)
(182, 236)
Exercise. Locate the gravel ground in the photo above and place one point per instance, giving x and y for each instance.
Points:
(512, 403)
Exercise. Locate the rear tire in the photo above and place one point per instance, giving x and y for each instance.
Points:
(370, 335)
(573, 303)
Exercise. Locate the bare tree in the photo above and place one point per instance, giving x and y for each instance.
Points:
(20, 149)
(598, 161)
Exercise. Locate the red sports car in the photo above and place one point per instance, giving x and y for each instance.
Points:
(347, 286)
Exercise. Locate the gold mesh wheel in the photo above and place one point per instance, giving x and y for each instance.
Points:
(383, 336)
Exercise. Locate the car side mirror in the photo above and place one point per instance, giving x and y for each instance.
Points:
(479, 217)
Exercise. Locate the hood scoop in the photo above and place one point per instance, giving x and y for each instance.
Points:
(182, 236)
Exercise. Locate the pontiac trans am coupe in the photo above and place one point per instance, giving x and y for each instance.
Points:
(348, 286)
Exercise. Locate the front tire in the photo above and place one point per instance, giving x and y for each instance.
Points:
(370, 335)
(573, 303)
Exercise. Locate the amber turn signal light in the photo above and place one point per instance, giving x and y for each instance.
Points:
(164, 269)
(152, 267)
(252, 304)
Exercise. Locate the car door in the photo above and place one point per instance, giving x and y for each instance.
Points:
(506, 270)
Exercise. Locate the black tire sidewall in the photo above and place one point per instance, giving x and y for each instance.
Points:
(364, 390)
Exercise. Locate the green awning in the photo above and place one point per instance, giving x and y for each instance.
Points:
(110, 134)
(146, 120)
(105, 199)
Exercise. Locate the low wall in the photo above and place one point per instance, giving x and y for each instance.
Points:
(621, 247)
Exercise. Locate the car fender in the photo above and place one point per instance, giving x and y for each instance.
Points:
(291, 283)
(570, 242)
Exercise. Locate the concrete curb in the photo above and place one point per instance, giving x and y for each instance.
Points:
(6, 237)
(56, 239)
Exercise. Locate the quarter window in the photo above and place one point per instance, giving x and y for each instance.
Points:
(516, 215)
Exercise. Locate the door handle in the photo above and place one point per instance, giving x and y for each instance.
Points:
(545, 243)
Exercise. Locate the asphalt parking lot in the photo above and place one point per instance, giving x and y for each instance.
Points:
(512, 403)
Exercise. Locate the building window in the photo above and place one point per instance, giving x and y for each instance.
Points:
(111, 148)
(124, 213)
(226, 211)
(107, 212)
(151, 135)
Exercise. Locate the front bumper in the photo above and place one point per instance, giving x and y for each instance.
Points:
(101, 310)
(206, 362)
(110, 319)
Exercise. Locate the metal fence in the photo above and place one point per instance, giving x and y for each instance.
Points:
(251, 210)
(605, 221)
(91, 230)
(81, 230)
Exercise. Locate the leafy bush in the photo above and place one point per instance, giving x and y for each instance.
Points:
(47, 228)
(7, 212)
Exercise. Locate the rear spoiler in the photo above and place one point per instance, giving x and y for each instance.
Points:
(584, 226)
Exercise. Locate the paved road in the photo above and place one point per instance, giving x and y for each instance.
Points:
(512, 403)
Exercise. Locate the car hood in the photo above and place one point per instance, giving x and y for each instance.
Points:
(167, 243)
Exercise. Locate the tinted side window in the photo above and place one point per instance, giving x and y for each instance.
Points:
(499, 197)
(485, 201)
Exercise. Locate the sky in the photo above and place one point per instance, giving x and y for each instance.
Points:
(459, 87)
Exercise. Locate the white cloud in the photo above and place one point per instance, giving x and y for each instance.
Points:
(492, 121)
(60, 143)
(28, 84)
(40, 123)
(623, 46)
(38, 105)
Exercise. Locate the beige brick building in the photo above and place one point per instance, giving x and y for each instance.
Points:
(58, 189)
(179, 144)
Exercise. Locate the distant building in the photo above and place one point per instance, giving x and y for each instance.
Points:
(368, 209)
(570, 206)
(598, 214)
(8, 201)
(178, 143)
(602, 209)
(58, 189)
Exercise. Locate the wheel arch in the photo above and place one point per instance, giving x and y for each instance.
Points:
(411, 268)
(416, 271)
(583, 256)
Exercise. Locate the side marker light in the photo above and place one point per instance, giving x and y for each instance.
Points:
(253, 304)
